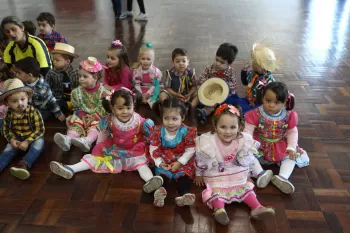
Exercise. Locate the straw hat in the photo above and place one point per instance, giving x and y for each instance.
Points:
(12, 86)
(213, 91)
(62, 48)
(92, 65)
(264, 56)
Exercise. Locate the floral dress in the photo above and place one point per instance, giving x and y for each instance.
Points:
(225, 168)
(171, 150)
(124, 149)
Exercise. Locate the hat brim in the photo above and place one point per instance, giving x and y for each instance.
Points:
(19, 89)
(213, 83)
(64, 52)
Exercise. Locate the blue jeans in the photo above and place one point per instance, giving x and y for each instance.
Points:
(117, 7)
(33, 152)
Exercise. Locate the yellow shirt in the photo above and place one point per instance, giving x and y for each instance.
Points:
(34, 47)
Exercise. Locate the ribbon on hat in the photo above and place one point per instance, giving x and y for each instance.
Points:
(231, 109)
(117, 43)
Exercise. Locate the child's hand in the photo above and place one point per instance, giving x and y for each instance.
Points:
(292, 155)
(165, 166)
(175, 165)
(187, 97)
(199, 181)
(14, 143)
(61, 117)
(24, 145)
(251, 104)
(145, 98)
(246, 67)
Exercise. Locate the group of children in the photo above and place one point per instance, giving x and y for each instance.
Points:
(103, 112)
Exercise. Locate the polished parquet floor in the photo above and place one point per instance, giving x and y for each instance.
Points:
(311, 37)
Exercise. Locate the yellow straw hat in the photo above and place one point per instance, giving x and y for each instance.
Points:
(264, 56)
(12, 86)
(213, 91)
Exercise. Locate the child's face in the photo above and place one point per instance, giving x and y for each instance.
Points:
(14, 32)
(221, 64)
(112, 58)
(172, 119)
(122, 112)
(227, 128)
(18, 102)
(181, 63)
(257, 68)
(26, 78)
(146, 59)
(86, 79)
(271, 104)
(45, 27)
(59, 62)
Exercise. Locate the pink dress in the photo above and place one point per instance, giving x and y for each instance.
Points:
(148, 81)
(124, 149)
(123, 79)
(3, 107)
(225, 168)
(275, 133)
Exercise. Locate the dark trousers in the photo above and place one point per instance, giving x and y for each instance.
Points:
(141, 5)
(117, 7)
(183, 184)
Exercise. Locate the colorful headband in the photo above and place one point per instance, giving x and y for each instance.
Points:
(231, 109)
(92, 65)
(117, 43)
(109, 96)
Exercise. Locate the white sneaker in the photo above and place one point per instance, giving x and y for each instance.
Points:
(264, 179)
(187, 199)
(153, 184)
(125, 14)
(62, 141)
(61, 170)
(221, 217)
(283, 184)
(159, 196)
(82, 143)
(141, 17)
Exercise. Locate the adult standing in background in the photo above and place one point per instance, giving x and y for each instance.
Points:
(117, 8)
(141, 17)
(24, 45)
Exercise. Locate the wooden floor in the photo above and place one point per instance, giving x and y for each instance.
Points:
(311, 38)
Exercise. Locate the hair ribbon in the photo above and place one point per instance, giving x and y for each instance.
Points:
(117, 43)
(231, 109)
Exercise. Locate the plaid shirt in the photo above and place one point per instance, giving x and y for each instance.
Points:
(29, 126)
(43, 98)
(181, 85)
(50, 40)
(55, 80)
(228, 76)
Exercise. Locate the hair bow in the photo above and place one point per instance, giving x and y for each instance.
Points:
(109, 95)
(149, 45)
(231, 109)
(117, 43)
(262, 83)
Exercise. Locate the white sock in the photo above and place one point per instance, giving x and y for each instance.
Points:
(79, 167)
(286, 169)
(256, 168)
(145, 173)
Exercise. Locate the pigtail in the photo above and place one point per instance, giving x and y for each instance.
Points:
(157, 107)
(106, 104)
(290, 102)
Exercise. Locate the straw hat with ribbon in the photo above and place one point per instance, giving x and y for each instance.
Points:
(62, 48)
(213, 91)
(12, 86)
(264, 56)
(92, 65)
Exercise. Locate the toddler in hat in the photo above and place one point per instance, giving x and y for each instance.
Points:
(87, 105)
(23, 128)
(63, 78)
(221, 68)
(263, 61)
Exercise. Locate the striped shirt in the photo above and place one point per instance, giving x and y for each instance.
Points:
(29, 126)
(34, 47)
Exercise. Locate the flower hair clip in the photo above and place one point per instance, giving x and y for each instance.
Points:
(117, 43)
(231, 109)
